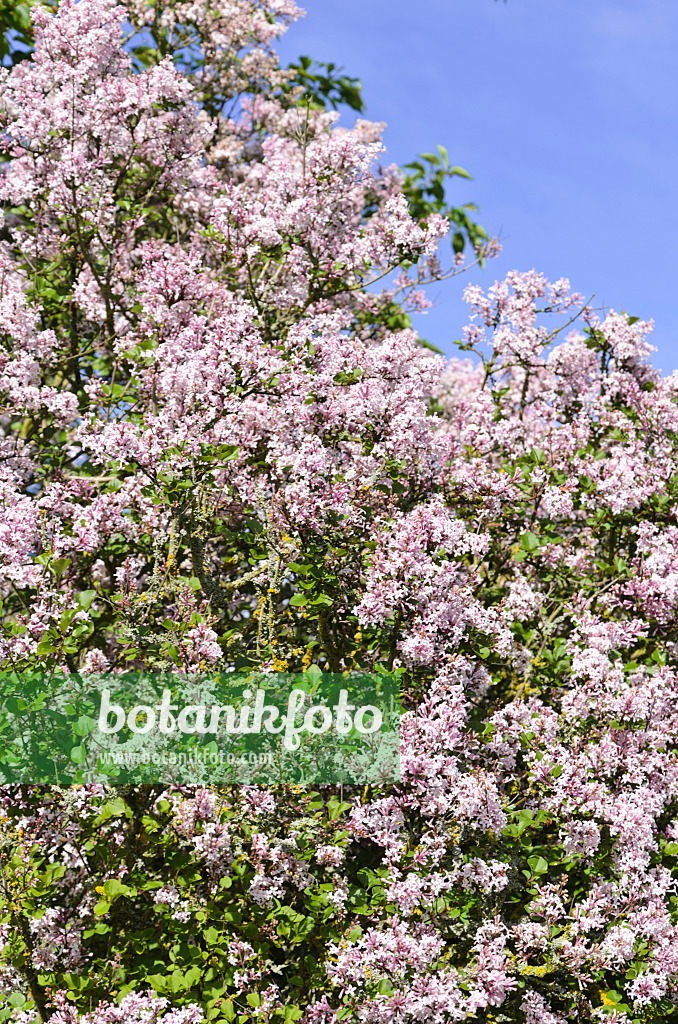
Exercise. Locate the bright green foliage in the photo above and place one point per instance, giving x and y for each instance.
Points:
(425, 191)
(325, 86)
(16, 36)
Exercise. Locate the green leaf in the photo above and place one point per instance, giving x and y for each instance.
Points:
(348, 377)
(84, 725)
(176, 982)
(303, 570)
(158, 982)
(335, 808)
(298, 600)
(113, 886)
(324, 86)
(192, 977)
(227, 452)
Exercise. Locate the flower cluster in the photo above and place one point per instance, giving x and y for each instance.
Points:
(223, 447)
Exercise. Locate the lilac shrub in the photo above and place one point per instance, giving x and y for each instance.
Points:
(222, 448)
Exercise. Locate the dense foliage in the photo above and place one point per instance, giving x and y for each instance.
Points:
(223, 446)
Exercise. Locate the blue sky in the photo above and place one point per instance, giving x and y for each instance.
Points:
(564, 111)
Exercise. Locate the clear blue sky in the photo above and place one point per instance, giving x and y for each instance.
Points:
(564, 111)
